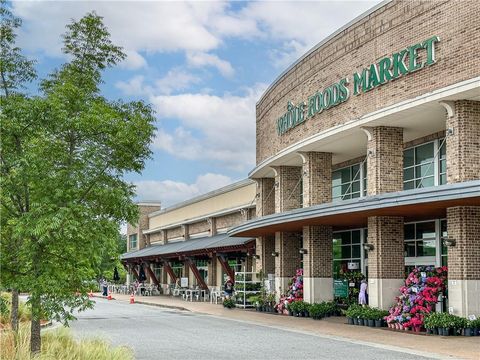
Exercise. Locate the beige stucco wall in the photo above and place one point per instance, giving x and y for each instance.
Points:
(230, 199)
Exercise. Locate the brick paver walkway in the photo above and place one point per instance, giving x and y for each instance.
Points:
(458, 346)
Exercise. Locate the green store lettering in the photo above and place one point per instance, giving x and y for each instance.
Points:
(399, 64)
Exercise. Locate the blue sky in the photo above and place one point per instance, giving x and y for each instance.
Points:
(202, 65)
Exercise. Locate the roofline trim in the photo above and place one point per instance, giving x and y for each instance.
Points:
(200, 218)
(222, 190)
(320, 44)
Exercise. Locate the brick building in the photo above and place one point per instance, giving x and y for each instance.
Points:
(368, 157)
(371, 140)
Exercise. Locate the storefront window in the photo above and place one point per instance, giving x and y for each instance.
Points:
(420, 167)
(177, 268)
(349, 182)
(420, 239)
(133, 241)
(346, 249)
(444, 234)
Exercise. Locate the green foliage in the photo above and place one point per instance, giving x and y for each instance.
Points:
(445, 320)
(365, 312)
(475, 323)
(64, 154)
(229, 303)
(24, 310)
(60, 344)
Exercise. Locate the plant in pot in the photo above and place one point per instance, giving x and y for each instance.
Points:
(293, 308)
(431, 322)
(229, 303)
(468, 330)
(316, 311)
(352, 314)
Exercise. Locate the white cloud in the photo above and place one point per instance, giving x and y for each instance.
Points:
(200, 59)
(134, 61)
(170, 192)
(175, 80)
(219, 128)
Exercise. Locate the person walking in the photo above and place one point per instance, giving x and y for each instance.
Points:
(104, 285)
(228, 287)
(363, 295)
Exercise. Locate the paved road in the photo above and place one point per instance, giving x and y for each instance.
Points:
(156, 333)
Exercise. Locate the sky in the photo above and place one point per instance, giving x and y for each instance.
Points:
(202, 66)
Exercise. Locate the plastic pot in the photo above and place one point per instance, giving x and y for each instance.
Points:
(371, 323)
(378, 323)
(468, 332)
(350, 321)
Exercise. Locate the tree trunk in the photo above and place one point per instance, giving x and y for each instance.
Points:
(35, 338)
(14, 313)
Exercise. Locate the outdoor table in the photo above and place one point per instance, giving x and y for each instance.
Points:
(189, 293)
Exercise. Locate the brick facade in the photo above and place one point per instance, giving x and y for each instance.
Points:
(229, 220)
(463, 146)
(317, 178)
(389, 29)
(288, 245)
(264, 247)
(198, 227)
(174, 233)
(386, 260)
(317, 262)
(385, 160)
(143, 224)
(265, 196)
(463, 224)
(287, 190)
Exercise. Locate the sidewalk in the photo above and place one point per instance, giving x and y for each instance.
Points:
(335, 327)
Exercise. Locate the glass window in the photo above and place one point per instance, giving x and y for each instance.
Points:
(420, 239)
(349, 182)
(133, 241)
(420, 163)
(346, 248)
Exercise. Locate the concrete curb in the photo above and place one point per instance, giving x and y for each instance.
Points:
(163, 306)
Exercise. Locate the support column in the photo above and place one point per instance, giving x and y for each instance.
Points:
(265, 204)
(151, 274)
(463, 144)
(264, 248)
(186, 233)
(169, 270)
(463, 226)
(384, 160)
(196, 274)
(386, 262)
(317, 264)
(317, 178)
(212, 271)
(317, 240)
(228, 270)
(287, 245)
(212, 222)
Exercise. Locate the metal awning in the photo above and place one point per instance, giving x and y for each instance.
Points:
(412, 205)
(200, 246)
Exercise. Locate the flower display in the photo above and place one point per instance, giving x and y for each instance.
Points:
(417, 297)
(294, 293)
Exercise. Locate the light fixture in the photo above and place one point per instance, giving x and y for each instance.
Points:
(255, 256)
(303, 251)
(449, 132)
(368, 247)
(370, 153)
(449, 242)
(275, 253)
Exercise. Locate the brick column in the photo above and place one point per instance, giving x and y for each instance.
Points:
(287, 190)
(386, 262)
(264, 248)
(463, 225)
(287, 245)
(463, 146)
(317, 178)
(384, 160)
(212, 272)
(317, 263)
(265, 203)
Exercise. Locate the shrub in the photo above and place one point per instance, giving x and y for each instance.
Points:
(229, 303)
(60, 344)
(353, 311)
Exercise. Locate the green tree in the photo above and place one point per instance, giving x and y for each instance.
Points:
(72, 169)
(15, 71)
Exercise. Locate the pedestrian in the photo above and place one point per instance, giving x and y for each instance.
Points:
(104, 285)
(228, 287)
(363, 295)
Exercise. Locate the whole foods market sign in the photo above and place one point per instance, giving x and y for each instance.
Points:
(402, 63)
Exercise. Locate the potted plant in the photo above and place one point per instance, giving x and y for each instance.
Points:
(229, 303)
(475, 324)
(351, 314)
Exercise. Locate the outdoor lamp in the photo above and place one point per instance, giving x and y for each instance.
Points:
(303, 251)
(368, 247)
(449, 241)
(255, 256)
(275, 254)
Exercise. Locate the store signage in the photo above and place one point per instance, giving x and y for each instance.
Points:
(340, 288)
(399, 64)
(353, 265)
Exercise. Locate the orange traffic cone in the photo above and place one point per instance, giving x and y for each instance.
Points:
(90, 294)
(109, 297)
(132, 299)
